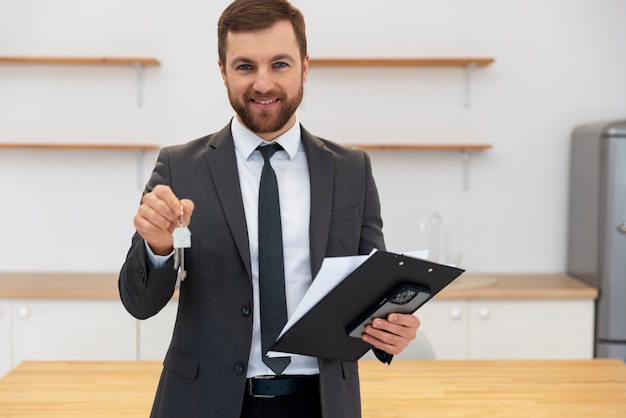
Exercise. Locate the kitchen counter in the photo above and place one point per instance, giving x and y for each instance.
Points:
(517, 286)
(468, 286)
(405, 389)
(58, 286)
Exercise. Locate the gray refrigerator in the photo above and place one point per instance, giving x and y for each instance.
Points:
(597, 226)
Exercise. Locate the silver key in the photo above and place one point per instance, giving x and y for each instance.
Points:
(182, 239)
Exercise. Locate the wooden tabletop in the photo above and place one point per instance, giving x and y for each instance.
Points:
(513, 389)
(79, 389)
(468, 286)
(406, 389)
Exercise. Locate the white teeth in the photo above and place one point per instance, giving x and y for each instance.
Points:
(264, 102)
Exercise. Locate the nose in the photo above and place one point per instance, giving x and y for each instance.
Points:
(263, 82)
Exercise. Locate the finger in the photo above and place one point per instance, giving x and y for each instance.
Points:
(407, 320)
(402, 325)
(169, 203)
(188, 207)
(159, 239)
(387, 328)
(152, 217)
(392, 335)
(383, 340)
(151, 225)
(149, 231)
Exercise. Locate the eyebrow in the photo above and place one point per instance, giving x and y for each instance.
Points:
(280, 57)
(283, 57)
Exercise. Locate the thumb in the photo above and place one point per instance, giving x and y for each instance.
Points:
(188, 207)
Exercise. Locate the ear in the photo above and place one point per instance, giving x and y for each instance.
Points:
(305, 67)
(222, 70)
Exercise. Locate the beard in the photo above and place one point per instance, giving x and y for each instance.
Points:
(263, 121)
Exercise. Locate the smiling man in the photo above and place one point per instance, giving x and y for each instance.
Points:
(265, 89)
(262, 224)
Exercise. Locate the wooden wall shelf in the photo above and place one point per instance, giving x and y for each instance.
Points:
(464, 149)
(139, 149)
(400, 62)
(467, 63)
(81, 60)
(138, 63)
(423, 147)
(69, 146)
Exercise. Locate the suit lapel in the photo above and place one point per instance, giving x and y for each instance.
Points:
(223, 166)
(321, 174)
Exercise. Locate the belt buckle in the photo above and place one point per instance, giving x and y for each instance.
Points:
(267, 377)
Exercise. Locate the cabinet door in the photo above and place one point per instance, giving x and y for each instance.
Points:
(531, 329)
(155, 333)
(444, 324)
(69, 329)
(5, 336)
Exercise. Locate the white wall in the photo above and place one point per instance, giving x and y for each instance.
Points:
(558, 63)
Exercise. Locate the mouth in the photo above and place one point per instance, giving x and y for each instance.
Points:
(264, 101)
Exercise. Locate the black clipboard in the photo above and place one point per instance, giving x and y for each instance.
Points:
(321, 332)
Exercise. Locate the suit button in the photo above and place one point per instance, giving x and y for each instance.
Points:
(239, 369)
(245, 310)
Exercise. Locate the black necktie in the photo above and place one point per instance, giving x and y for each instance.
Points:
(271, 265)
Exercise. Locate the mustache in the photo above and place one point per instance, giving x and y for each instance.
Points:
(273, 94)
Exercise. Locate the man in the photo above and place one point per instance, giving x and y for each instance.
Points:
(216, 364)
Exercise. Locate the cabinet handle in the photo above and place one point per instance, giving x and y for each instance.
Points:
(456, 314)
(484, 312)
(23, 312)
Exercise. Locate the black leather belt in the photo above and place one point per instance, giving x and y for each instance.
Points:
(271, 386)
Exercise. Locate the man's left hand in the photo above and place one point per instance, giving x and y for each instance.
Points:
(393, 334)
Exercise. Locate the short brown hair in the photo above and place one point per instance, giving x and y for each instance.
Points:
(249, 15)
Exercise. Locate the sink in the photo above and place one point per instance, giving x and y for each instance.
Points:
(472, 281)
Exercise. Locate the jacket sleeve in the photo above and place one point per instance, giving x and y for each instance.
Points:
(372, 231)
(372, 225)
(145, 291)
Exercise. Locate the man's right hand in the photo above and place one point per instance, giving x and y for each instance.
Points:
(158, 216)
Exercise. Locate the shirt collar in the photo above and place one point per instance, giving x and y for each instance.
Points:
(246, 141)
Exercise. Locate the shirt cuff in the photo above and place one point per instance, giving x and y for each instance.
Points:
(156, 261)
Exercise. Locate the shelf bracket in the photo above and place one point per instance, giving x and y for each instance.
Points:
(139, 71)
(465, 167)
(140, 154)
(469, 69)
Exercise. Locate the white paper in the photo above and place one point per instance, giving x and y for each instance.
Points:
(332, 272)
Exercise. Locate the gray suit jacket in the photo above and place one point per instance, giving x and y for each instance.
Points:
(205, 367)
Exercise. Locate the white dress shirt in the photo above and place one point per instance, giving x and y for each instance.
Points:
(292, 174)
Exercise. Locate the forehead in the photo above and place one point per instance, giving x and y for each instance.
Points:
(278, 39)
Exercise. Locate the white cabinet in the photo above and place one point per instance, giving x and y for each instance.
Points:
(462, 329)
(527, 316)
(509, 329)
(79, 329)
(71, 329)
(548, 329)
(155, 333)
(444, 324)
(5, 337)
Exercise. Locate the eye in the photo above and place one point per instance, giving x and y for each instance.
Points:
(281, 65)
(244, 67)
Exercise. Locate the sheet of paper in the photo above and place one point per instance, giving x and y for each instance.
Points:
(423, 254)
(332, 272)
